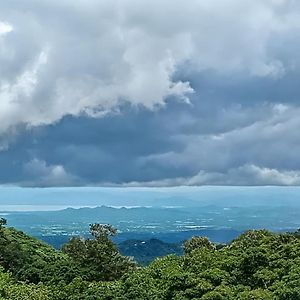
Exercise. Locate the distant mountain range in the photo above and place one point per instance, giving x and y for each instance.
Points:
(72, 221)
(148, 232)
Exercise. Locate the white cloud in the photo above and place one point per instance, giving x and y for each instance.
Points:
(5, 28)
(247, 175)
(101, 53)
(17, 98)
(38, 173)
(241, 176)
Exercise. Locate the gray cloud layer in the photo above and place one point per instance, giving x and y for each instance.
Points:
(89, 92)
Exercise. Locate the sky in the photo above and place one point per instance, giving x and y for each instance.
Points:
(58, 198)
(149, 93)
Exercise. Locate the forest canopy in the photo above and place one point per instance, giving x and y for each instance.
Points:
(257, 265)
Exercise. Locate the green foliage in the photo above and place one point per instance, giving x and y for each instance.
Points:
(11, 290)
(259, 265)
(197, 242)
(33, 261)
(3, 222)
(98, 258)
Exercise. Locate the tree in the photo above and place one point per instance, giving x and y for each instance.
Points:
(3, 222)
(197, 242)
(102, 231)
(98, 258)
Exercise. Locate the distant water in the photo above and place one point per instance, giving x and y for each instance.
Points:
(32, 199)
(23, 208)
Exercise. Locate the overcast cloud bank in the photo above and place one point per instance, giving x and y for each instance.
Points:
(149, 92)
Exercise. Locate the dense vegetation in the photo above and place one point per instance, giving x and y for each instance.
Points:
(257, 265)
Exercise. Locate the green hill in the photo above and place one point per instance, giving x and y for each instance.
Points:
(146, 251)
(29, 259)
(258, 265)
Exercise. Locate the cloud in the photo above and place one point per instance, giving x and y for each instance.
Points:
(247, 175)
(5, 28)
(96, 92)
(38, 173)
(241, 176)
(266, 138)
(256, 145)
(90, 57)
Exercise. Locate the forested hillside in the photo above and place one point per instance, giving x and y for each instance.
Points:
(257, 265)
(145, 252)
